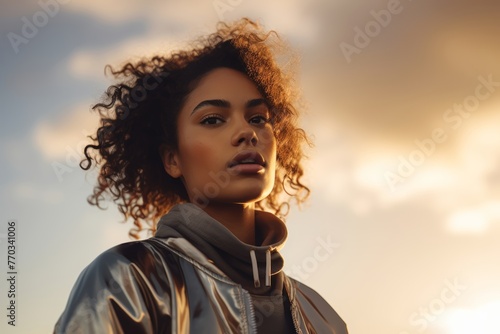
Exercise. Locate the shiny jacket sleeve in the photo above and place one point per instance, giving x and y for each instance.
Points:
(320, 315)
(121, 291)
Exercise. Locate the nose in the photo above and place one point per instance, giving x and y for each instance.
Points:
(244, 134)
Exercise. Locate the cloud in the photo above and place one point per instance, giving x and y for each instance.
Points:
(67, 135)
(89, 64)
(474, 220)
(167, 31)
(155, 11)
(116, 11)
(269, 13)
(193, 14)
(459, 182)
(481, 319)
(402, 81)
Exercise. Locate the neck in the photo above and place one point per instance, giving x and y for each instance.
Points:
(237, 218)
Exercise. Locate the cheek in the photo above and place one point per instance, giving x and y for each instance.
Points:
(197, 153)
(266, 136)
(269, 141)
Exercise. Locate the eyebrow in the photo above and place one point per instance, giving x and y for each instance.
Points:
(225, 104)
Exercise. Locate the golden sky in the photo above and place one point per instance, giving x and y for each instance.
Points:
(403, 106)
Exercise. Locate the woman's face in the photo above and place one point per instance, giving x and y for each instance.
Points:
(226, 145)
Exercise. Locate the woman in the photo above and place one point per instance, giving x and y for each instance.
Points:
(207, 140)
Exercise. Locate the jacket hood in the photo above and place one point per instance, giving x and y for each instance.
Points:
(258, 268)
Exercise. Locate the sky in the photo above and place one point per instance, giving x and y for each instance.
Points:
(402, 101)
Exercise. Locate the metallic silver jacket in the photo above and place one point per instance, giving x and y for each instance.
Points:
(168, 286)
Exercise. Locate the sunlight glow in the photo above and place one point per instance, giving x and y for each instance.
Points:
(482, 320)
(475, 220)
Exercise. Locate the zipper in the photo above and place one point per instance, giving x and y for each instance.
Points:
(293, 304)
(248, 303)
(293, 308)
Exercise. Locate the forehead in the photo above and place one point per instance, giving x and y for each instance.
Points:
(225, 83)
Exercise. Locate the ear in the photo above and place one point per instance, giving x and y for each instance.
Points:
(170, 160)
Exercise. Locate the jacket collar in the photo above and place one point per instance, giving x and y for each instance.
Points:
(255, 267)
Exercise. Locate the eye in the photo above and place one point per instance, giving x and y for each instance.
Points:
(212, 120)
(259, 119)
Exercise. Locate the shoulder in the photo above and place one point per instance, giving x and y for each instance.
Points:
(131, 251)
(308, 297)
(122, 283)
(132, 255)
(118, 257)
(125, 266)
(133, 263)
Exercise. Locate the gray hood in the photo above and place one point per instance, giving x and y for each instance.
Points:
(257, 267)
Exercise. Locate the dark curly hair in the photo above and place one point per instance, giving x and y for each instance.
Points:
(139, 113)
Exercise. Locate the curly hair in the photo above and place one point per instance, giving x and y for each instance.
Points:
(139, 113)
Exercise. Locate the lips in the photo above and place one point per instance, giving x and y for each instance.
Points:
(247, 157)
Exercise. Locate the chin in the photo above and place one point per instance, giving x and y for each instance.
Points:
(246, 194)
